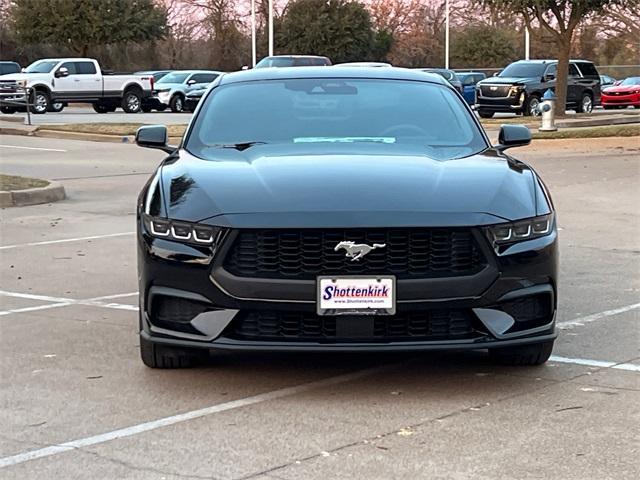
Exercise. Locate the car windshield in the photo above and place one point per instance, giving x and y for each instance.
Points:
(174, 77)
(41, 66)
(397, 114)
(275, 62)
(631, 81)
(523, 70)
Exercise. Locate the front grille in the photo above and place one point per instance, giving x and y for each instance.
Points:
(529, 312)
(305, 254)
(307, 326)
(8, 86)
(495, 90)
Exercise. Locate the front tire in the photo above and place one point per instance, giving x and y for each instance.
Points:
(525, 355)
(40, 102)
(56, 107)
(131, 101)
(531, 106)
(100, 108)
(8, 110)
(177, 104)
(485, 114)
(586, 104)
(164, 356)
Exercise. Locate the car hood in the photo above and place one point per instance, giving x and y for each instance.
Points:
(263, 186)
(617, 88)
(508, 81)
(24, 76)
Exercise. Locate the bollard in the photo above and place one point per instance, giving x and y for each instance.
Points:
(548, 111)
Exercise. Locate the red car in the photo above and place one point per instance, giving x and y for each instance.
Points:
(624, 94)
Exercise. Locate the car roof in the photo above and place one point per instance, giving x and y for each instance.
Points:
(389, 73)
(550, 60)
(295, 56)
(195, 71)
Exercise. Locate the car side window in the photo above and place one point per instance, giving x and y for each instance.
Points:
(573, 70)
(319, 62)
(85, 68)
(468, 80)
(204, 77)
(302, 62)
(588, 69)
(71, 66)
(551, 70)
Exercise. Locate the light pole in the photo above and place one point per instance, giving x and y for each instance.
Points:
(527, 43)
(253, 33)
(270, 28)
(446, 35)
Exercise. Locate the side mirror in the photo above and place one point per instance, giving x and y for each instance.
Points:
(513, 136)
(62, 72)
(495, 74)
(549, 77)
(191, 82)
(245, 67)
(617, 82)
(154, 136)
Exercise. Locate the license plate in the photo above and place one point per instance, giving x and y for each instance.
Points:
(357, 295)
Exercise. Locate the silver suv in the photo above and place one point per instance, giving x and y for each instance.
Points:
(172, 89)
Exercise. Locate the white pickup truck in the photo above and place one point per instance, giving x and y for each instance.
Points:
(73, 80)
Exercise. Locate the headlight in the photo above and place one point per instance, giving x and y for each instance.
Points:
(513, 91)
(522, 230)
(185, 232)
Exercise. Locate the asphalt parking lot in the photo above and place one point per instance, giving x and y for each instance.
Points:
(80, 114)
(76, 401)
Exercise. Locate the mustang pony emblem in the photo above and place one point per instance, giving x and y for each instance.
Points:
(355, 251)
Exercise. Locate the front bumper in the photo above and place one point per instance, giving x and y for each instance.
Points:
(632, 99)
(167, 269)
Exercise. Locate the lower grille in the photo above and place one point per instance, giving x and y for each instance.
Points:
(174, 313)
(529, 312)
(305, 254)
(306, 326)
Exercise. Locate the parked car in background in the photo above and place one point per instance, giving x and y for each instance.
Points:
(192, 99)
(9, 67)
(293, 61)
(469, 81)
(171, 90)
(622, 95)
(363, 64)
(520, 86)
(156, 74)
(448, 75)
(54, 81)
(606, 81)
(152, 103)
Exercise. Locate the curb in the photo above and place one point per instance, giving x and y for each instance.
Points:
(596, 122)
(92, 137)
(32, 196)
(16, 131)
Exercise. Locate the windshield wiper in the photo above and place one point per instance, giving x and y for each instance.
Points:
(240, 145)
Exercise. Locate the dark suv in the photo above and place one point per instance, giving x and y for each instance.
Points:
(519, 87)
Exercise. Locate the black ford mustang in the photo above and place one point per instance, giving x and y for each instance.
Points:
(343, 210)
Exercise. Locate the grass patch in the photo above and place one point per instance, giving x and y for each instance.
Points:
(119, 129)
(591, 132)
(13, 182)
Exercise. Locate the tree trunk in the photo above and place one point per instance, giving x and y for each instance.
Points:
(562, 75)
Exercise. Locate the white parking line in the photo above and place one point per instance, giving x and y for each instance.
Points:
(63, 302)
(184, 417)
(33, 148)
(632, 367)
(65, 240)
(580, 321)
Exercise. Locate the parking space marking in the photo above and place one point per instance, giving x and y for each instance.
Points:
(184, 417)
(631, 367)
(65, 240)
(63, 302)
(580, 321)
(33, 148)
